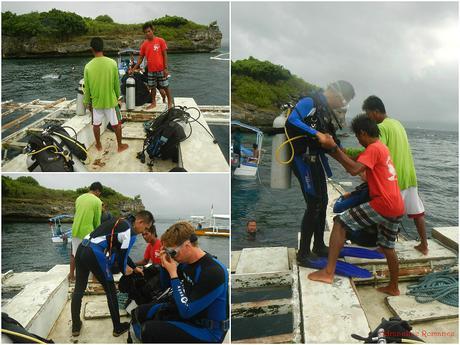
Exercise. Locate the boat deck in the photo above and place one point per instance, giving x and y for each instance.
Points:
(198, 153)
(322, 313)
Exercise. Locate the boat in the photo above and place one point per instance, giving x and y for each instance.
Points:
(58, 234)
(213, 228)
(20, 120)
(273, 301)
(124, 60)
(247, 165)
(223, 57)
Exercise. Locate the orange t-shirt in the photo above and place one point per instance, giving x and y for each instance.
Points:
(152, 253)
(153, 51)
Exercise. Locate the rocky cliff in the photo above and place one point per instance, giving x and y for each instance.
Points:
(32, 210)
(194, 41)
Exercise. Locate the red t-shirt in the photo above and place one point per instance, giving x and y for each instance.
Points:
(382, 180)
(152, 252)
(153, 51)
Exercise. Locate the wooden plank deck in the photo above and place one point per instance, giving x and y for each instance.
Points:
(447, 236)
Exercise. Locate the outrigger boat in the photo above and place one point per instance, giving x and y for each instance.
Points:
(59, 235)
(213, 229)
(246, 165)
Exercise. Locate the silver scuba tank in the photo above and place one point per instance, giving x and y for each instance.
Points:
(130, 93)
(80, 107)
(280, 173)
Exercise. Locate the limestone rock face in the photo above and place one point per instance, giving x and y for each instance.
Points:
(196, 41)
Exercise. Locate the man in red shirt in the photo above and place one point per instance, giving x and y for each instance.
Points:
(385, 209)
(152, 251)
(155, 50)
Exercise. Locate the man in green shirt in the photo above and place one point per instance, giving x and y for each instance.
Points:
(394, 136)
(88, 210)
(102, 90)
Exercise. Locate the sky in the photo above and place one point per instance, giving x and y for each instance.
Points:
(169, 195)
(127, 12)
(406, 53)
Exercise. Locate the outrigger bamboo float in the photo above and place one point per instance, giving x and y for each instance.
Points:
(198, 153)
(274, 302)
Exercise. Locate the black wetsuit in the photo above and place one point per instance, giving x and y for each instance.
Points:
(198, 311)
(310, 166)
(91, 257)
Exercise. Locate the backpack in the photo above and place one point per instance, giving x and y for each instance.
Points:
(163, 136)
(52, 155)
(142, 289)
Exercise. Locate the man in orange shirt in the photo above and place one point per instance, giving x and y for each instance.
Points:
(155, 50)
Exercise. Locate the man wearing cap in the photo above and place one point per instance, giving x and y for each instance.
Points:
(310, 119)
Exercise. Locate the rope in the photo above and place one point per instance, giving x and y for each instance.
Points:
(24, 336)
(439, 286)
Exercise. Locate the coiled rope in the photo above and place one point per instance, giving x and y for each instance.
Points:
(439, 286)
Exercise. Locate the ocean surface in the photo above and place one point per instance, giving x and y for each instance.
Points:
(192, 75)
(28, 246)
(279, 212)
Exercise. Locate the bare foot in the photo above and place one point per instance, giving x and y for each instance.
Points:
(389, 290)
(71, 278)
(151, 106)
(321, 276)
(422, 249)
(99, 147)
(122, 147)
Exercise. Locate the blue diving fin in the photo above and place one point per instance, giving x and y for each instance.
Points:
(342, 268)
(358, 252)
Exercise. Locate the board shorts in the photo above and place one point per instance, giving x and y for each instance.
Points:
(413, 205)
(157, 80)
(109, 113)
(364, 216)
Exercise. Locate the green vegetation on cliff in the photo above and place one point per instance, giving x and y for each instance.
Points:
(26, 188)
(60, 25)
(265, 85)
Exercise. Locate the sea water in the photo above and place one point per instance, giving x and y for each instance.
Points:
(279, 212)
(28, 247)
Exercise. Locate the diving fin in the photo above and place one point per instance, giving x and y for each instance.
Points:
(342, 268)
(358, 252)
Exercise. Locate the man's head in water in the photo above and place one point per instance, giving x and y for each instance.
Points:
(150, 235)
(96, 188)
(148, 30)
(374, 108)
(143, 221)
(339, 93)
(365, 129)
(180, 243)
(251, 226)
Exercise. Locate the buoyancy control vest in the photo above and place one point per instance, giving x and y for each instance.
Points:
(323, 120)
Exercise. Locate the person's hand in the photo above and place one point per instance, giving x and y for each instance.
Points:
(139, 270)
(165, 73)
(168, 264)
(346, 195)
(90, 108)
(326, 140)
(128, 271)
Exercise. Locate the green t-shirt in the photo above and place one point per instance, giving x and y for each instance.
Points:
(88, 209)
(102, 86)
(393, 135)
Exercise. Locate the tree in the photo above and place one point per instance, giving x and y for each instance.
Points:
(104, 18)
(28, 180)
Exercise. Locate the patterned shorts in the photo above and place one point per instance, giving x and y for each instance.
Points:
(363, 216)
(157, 79)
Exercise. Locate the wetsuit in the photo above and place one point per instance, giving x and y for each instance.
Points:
(91, 257)
(310, 166)
(198, 311)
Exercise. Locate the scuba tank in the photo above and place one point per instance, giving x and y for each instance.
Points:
(280, 173)
(130, 93)
(80, 109)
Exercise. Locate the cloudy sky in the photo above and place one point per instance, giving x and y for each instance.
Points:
(405, 53)
(135, 12)
(166, 195)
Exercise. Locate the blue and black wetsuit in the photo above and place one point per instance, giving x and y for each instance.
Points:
(93, 256)
(310, 166)
(198, 312)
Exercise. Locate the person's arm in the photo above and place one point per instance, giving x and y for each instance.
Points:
(97, 215)
(87, 91)
(296, 119)
(146, 258)
(127, 242)
(116, 81)
(352, 167)
(164, 49)
(138, 63)
(211, 285)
